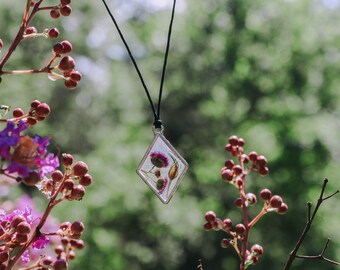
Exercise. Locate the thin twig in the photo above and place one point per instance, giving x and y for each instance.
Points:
(320, 256)
(310, 218)
(200, 266)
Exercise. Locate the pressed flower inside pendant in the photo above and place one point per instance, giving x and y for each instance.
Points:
(162, 168)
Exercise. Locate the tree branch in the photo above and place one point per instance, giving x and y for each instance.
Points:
(310, 218)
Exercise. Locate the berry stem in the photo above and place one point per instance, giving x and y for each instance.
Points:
(257, 218)
(37, 232)
(25, 21)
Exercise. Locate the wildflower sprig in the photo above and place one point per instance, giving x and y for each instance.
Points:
(60, 65)
(235, 174)
(26, 160)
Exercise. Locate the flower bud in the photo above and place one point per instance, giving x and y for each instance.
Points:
(75, 76)
(66, 10)
(65, 2)
(32, 179)
(60, 264)
(68, 184)
(18, 112)
(31, 30)
(57, 48)
(265, 194)
(257, 250)
(238, 202)
(261, 161)
(21, 238)
(3, 256)
(240, 229)
(253, 156)
(77, 227)
(275, 201)
(66, 64)
(251, 198)
(53, 33)
(227, 175)
(77, 193)
(43, 110)
(210, 216)
(57, 176)
(65, 225)
(86, 180)
(241, 142)
(208, 226)
(227, 223)
(23, 228)
(237, 169)
(282, 209)
(225, 242)
(46, 261)
(229, 164)
(263, 171)
(233, 140)
(67, 160)
(16, 220)
(67, 46)
(80, 168)
(70, 84)
(55, 13)
(59, 249)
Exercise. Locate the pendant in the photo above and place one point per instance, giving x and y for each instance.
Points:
(162, 167)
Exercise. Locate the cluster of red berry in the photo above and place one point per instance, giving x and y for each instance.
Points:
(235, 174)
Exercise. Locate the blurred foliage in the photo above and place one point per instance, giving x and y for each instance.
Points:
(264, 70)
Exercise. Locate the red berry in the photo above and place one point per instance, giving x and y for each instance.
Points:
(227, 223)
(238, 202)
(68, 184)
(208, 226)
(65, 225)
(240, 229)
(275, 201)
(233, 140)
(245, 158)
(77, 193)
(31, 121)
(240, 142)
(237, 169)
(75, 76)
(70, 84)
(229, 164)
(67, 160)
(253, 156)
(261, 161)
(57, 176)
(227, 175)
(46, 261)
(77, 227)
(80, 244)
(80, 168)
(60, 264)
(228, 147)
(257, 250)
(282, 209)
(251, 198)
(86, 180)
(53, 33)
(23, 228)
(43, 110)
(16, 220)
(55, 13)
(263, 171)
(35, 103)
(67, 46)
(225, 242)
(210, 216)
(66, 10)
(265, 194)
(65, 2)
(67, 63)
(31, 30)
(21, 238)
(57, 48)
(18, 112)
(59, 249)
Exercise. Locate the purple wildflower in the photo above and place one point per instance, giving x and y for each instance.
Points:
(159, 160)
(10, 137)
(41, 242)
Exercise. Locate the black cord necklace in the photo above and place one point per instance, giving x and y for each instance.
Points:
(162, 167)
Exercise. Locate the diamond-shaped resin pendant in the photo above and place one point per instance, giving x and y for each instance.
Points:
(162, 168)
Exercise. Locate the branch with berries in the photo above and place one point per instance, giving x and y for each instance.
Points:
(26, 160)
(60, 65)
(235, 174)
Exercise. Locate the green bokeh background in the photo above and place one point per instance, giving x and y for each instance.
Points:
(267, 71)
